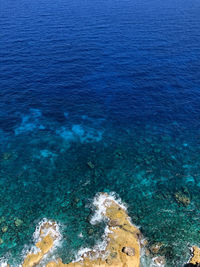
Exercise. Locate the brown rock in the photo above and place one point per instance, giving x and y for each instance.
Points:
(90, 231)
(182, 198)
(113, 223)
(18, 222)
(195, 259)
(4, 229)
(128, 251)
(48, 237)
(144, 243)
(113, 254)
(122, 242)
(147, 252)
(160, 260)
(156, 247)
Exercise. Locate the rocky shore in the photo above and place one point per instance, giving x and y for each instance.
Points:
(122, 237)
(195, 258)
(124, 244)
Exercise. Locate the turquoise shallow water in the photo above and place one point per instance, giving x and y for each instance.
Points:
(99, 96)
(50, 177)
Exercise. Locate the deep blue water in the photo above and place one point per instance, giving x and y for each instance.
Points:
(116, 83)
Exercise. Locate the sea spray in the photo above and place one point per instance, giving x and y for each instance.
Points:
(100, 205)
(45, 228)
(100, 202)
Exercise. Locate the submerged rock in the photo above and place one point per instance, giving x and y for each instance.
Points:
(123, 244)
(156, 247)
(114, 223)
(4, 229)
(18, 222)
(159, 261)
(90, 165)
(118, 154)
(6, 155)
(90, 231)
(182, 198)
(2, 219)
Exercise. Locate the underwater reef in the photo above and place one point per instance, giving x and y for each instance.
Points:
(123, 244)
(56, 176)
(122, 240)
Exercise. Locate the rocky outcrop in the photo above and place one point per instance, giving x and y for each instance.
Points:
(47, 236)
(182, 198)
(195, 259)
(123, 241)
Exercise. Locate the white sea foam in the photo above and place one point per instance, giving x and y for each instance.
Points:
(155, 264)
(80, 235)
(101, 201)
(99, 248)
(53, 230)
(147, 261)
(3, 262)
(191, 254)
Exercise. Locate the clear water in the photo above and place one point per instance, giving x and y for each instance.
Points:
(115, 83)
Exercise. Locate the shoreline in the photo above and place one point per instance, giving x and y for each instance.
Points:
(122, 245)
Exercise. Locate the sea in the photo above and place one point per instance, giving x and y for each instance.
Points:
(99, 96)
